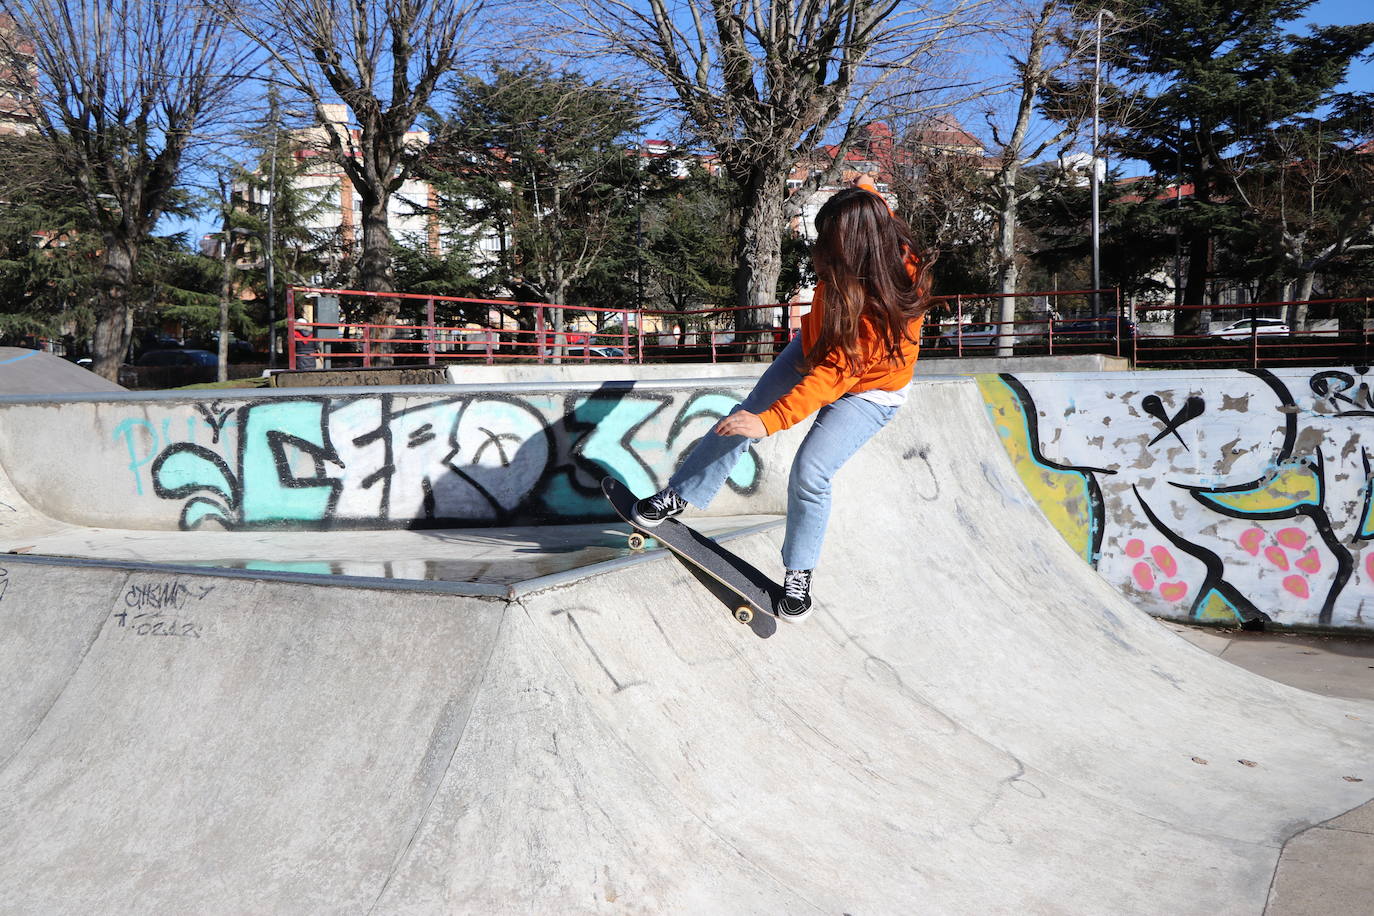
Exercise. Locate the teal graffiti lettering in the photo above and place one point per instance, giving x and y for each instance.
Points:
(285, 450)
(137, 461)
(613, 421)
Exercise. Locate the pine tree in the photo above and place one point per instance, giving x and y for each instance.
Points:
(537, 163)
(1228, 71)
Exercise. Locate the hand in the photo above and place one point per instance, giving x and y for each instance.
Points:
(742, 423)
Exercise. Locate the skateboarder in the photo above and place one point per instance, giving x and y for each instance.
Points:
(853, 362)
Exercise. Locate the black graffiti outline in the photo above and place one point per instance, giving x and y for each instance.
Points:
(1288, 408)
(1368, 496)
(686, 417)
(1320, 388)
(1345, 562)
(1097, 505)
(1214, 579)
(495, 438)
(231, 513)
(564, 438)
(500, 515)
(381, 432)
(1192, 408)
(214, 417)
(579, 465)
(421, 436)
(1316, 512)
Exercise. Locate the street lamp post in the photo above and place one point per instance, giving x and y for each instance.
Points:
(1093, 179)
(271, 235)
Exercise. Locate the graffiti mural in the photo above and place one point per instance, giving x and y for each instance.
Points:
(1243, 495)
(398, 460)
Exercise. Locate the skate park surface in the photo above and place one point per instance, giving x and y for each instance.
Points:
(971, 722)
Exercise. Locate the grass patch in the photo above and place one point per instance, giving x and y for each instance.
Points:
(255, 381)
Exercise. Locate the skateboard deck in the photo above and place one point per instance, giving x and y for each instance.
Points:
(752, 588)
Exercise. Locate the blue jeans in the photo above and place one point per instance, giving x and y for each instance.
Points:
(837, 433)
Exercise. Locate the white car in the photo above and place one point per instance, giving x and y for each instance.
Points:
(971, 335)
(1246, 326)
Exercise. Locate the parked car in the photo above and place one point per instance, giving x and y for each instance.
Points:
(1103, 326)
(170, 369)
(1247, 326)
(971, 335)
(178, 358)
(593, 353)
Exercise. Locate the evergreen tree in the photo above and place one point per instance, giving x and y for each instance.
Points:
(534, 163)
(49, 248)
(687, 240)
(1228, 71)
(270, 196)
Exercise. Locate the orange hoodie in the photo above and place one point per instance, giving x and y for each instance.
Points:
(832, 378)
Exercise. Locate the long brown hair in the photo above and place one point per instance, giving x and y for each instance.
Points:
(860, 255)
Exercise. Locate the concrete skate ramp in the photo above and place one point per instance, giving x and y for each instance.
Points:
(972, 722)
(35, 372)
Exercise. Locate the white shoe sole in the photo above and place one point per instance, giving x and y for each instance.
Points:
(642, 522)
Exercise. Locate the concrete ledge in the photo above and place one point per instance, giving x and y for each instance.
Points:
(977, 365)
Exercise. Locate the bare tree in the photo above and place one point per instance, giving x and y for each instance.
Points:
(764, 83)
(1309, 189)
(941, 191)
(1044, 45)
(384, 60)
(118, 91)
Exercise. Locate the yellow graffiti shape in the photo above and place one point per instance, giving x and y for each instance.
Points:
(1217, 609)
(1062, 496)
(1294, 484)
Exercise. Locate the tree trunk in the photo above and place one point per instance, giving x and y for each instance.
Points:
(113, 328)
(225, 289)
(1305, 284)
(758, 252)
(1006, 262)
(375, 273)
(1195, 285)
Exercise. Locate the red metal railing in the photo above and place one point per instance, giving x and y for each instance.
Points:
(501, 335)
(960, 326)
(587, 335)
(1264, 338)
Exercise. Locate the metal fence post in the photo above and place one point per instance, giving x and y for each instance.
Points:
(1364, 332)
(290, 323)
(429, 316)
(539, 328)
(958, 326)
(1120, 318)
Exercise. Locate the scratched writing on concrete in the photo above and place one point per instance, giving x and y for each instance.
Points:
(172, 593)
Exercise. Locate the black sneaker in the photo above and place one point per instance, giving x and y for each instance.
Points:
(654, 509)
(795, 601)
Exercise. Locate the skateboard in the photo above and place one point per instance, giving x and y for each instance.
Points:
(749, 585)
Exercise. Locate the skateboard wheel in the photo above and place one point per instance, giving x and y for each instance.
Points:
(744, 614)
(636, 541)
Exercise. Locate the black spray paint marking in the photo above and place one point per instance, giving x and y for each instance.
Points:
(1192, 408)
(1331, 387)
(215, 417)
(169, 594)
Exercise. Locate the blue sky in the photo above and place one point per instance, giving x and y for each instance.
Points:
(1323, 12)
(1347, 12)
